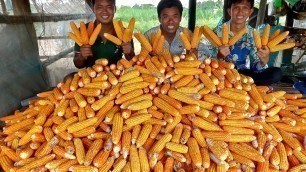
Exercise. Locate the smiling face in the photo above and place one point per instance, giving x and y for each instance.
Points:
(170, 19)
(240, 11)
(104, 11)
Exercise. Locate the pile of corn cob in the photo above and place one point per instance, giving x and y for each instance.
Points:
(273, 41)
(160, 113)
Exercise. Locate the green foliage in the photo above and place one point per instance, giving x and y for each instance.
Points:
(208, 13)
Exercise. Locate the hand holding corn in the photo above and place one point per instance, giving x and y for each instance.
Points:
(273, 42)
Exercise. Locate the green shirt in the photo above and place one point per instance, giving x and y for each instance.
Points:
(107, 50)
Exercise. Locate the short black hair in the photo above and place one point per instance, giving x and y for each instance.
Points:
(168, 4)
(93, 2)
(231, 2)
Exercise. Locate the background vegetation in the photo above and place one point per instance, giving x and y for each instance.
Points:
(208, 13)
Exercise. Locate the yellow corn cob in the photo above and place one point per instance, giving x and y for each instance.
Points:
(176, 135)
(185, 41)
(182, 97)
(143, 135)
(212, 36)
(185, 135)
(243, 160)
(204, 124)
(277, 39)
(224, 34)
(95, 34)
(127, 35)
(134, 80)
(236, 37)
(159, 45)
(119, 165)
(80, 151)
(135, 120)
(144, 41)
(194, 152)
(187, 34)
(101, 158)
(117, 128)
(143, 158)
(130, 75)
(283, 164)
(246, 151)
(55, 163)
(298, 168)
(218, 100)
(257, 39)
(10, 153)
(84, 33)
(75, 30)
(216, 135)
(255, 95)
(17, 126)
(177, 147)
(113, 39)
(144, 104)
(92, 151)
(169, 164)
(283, 46)
(276, 33)
(111, 113)
(188, 71)
(75, 39)
(194, 40)
(189, 109)
(241, 138)
(81, 114)
(162, 104)
(108, 164)
(134, 159)
(130, 87)
(80, 100)
(207, 82)
(160, 144)
(238, 130)
(37, 163)
(183, 81)
(265, 35)
(81, 125)
(136, 99)
(119, 31)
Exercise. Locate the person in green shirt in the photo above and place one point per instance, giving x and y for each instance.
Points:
(86, 55)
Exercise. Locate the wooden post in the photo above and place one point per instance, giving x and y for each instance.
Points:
(192, 14)
(261, 12)
(3, 7)
(22, 8)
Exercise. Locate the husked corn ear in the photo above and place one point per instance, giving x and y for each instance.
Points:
(177, 147)
(138, 119)
(237, 36)
(117, 128)
(194, 152)
(160, 144)
(277, 39)
(144, 41)
(265, 35)
(163, 105)
(257, 39)
(143, 135)
(283, 46)
(113, 39)
(81, 125)
(185, 41)
(224, 34)
(212, 36)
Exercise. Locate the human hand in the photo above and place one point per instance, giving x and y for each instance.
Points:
(263, 54)
(224, 51)
(127, 48)
(86, 51)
